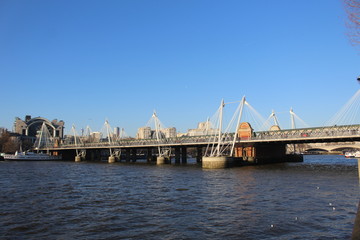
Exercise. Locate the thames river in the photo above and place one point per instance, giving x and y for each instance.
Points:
(316, 199)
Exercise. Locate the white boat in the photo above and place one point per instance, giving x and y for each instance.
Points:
(30, 156)
(355, 154)
(43, 138)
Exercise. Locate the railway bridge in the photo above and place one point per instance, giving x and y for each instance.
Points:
(244, 146)
(217, 148)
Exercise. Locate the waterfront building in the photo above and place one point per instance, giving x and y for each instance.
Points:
(2, 131)
(169, 132)
(31, 126)
(116, 132)
(179, 135)
(148, 133)
(95, 136)
(203, 129)
(144, 133)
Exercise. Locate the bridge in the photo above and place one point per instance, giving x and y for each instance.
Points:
(217, 148)
(329, 147)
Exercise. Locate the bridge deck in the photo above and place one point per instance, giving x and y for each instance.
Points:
(293, 136)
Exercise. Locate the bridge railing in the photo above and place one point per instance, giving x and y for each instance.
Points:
(285, 135)
(303, 133)
(140, 142)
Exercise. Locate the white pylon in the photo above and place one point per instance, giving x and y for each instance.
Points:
(272, 115)
(292, 118)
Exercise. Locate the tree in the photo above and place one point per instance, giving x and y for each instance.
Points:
(352, 8)
(8, 144)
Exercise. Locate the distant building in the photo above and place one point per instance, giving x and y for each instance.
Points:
(203, 129)
(31, 126)
(169, 132)
(147, 133)
(95, 136)
(2, 131)
(144, 133)
(117, 132)
(179, 135)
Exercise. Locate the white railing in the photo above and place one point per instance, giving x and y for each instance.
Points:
(333, 132)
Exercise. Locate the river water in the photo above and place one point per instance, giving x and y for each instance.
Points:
(316, 199)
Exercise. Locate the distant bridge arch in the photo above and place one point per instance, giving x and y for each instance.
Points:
(333, 147)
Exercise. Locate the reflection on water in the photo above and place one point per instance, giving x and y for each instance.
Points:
(316, 199)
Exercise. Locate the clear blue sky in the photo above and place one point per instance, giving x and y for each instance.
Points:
(85, 61)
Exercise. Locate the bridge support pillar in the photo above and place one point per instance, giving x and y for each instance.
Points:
(162, 160)
(270, 153)
(245, 152)
(183, 155)
(77, 158)
(128, 155)
(177, 155)
(149, 155)
(216, 162)
(265, 153)
(133, 154)
(111, 159)
(199, 154)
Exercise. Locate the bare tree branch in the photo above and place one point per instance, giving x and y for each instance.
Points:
(352, 8)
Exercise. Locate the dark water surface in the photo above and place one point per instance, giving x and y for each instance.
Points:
(316, 199)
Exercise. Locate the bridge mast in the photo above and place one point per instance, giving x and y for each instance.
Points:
(157, 131)
(241, 105)
(75, 139)
(220, 127)
(108, 132)
(79, 153)
(292, 118)
(40, 137)
(276, 122)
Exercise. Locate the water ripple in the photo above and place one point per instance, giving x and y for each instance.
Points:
(62, 200)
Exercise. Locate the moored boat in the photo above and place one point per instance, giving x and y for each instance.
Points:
(355, 154)
(30, 156)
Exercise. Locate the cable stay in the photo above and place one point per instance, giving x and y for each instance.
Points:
(87, 135)
(268, 121)
(43, 138)
(349, 114)
(258, 122)
(155, 123)
(223, 143)
(123, 134)
(78, 143)
(107, 131)
(294, 118)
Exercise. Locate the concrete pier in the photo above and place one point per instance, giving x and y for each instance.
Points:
(199, 154)
(216, 162)
(149, 156)
(177, 155)
(128, 155)
(133, 155)
(183, 155)
(111, 159)
(77, 158)
(162, 160)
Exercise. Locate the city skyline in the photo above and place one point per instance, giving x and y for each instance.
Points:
(84, 62)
